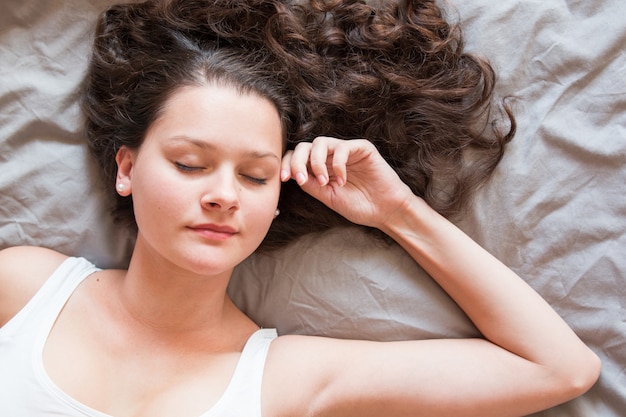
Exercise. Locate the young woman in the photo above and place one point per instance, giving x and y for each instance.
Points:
(193, 111)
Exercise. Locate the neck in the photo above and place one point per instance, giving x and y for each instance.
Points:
(165, 298)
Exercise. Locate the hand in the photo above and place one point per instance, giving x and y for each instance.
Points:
(349, 176)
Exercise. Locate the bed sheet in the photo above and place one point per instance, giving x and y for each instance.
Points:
(554, 211)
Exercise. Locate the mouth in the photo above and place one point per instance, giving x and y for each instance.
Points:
(214, 231)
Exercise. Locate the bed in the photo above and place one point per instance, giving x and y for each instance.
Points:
(554, 211)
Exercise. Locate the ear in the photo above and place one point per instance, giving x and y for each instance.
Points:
(125, 159)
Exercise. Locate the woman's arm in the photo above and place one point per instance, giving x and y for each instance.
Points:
(530, 360)
(507, 311)
(23, 270)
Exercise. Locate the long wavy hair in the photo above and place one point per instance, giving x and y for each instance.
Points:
(394, 73)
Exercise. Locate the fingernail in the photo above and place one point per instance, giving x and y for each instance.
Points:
(284, 175)
(340, 181)
(322, 179)
(300, 178)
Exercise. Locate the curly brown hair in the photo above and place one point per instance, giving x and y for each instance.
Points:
(394, 73)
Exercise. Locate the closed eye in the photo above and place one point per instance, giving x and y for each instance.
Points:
(187, 168)
(255, 180)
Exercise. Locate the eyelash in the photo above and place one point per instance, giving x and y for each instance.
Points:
(258, 181)
(187, 169)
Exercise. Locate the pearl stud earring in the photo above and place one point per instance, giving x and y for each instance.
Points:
(120, 187)
(277, 212)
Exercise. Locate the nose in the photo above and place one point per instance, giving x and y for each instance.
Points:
(222, 191)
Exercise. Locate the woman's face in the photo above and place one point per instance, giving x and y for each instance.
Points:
(206, 180)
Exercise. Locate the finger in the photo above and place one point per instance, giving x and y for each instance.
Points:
(299, 160)
(318, 160)
(341, 154)
(285, 166)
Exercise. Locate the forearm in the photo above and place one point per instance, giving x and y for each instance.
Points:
(504, 308)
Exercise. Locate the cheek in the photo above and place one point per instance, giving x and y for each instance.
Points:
(263, 206)
(155, 194)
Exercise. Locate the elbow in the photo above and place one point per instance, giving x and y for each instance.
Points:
(592, 374)
(581, 374)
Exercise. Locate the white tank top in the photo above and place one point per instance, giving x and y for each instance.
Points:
(27, 390)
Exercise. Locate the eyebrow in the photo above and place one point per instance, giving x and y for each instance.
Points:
(204, 145)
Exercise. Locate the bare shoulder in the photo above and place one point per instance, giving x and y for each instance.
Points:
(23, 270)
(300, 371)
(314, 376)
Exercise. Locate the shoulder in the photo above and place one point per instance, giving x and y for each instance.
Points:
(302, 372)
(23, 270)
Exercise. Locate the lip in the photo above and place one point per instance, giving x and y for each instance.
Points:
(214, 231)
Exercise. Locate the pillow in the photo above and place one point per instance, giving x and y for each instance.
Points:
(346, 283)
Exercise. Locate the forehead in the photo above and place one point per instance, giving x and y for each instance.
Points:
(221, 116)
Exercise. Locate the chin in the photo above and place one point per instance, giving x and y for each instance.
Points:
(211, 263)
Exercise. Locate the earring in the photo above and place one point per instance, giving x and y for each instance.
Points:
(277, 212)
(120, 187)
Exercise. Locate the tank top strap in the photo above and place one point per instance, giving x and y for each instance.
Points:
(242, 397)
(54, 292)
